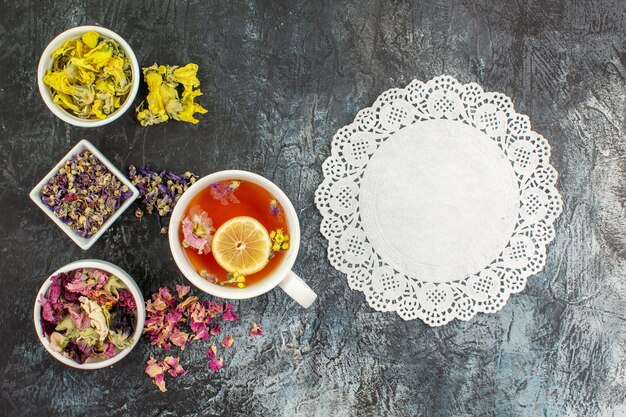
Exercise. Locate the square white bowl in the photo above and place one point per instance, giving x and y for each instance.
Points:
(82, 242)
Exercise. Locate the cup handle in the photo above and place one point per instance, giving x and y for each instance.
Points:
(297, 289)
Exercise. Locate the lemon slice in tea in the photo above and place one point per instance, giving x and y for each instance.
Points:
(242, 244)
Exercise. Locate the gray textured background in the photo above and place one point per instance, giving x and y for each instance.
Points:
(279, 79)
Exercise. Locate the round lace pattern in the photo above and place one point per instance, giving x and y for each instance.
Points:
(438, 300)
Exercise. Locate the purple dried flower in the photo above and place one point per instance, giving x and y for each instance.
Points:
(78, 350)
(225, 191)
(84, 194)
(160, 191)
(126, 300)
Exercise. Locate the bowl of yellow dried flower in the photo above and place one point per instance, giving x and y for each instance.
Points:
(88, 76)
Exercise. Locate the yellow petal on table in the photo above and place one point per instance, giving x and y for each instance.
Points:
(155, 101)
(91, 38)
(188, 111)
(190, 107)
(187, 76)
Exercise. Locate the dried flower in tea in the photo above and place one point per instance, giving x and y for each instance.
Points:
(280, 240)
(84, 194)
(90, 77)
(198, 230)
(172, 94)
(225, 192)
(275, 209)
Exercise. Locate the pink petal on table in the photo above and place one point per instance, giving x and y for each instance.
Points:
(216, 364)
(228, 341)
(182, 290)
(256, 330)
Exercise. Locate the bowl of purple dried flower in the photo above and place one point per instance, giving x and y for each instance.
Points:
(89, 314)
(84, 194)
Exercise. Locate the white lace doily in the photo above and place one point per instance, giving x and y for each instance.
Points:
(438, 201)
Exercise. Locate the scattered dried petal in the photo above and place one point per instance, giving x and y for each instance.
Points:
(228, 341)
(182, 290)
(212, 352)
(175, 369)
(216, 364)
(256, 330)
(160, 191)
(229, 313)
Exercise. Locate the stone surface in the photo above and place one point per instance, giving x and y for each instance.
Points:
(279, 78)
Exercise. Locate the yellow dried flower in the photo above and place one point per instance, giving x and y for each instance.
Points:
(164, 101)
(90, 77)
(91, 38)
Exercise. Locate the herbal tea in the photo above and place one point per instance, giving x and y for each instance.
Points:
(234, 233)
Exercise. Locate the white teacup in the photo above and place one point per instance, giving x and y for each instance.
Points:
(282, 275)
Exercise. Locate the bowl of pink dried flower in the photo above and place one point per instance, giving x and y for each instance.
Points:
(89, 314)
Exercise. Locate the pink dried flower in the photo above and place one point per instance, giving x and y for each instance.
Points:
(109, 350)
(256, 330)
(229, 313)
(179, 338)
(189, 302)
(212, 352)
(159, 381)
(216, 364)
(154, 368)
(216, 328)
(126, 300)
(100, 276)
(182, 290)
(198, 230)
(175, 369)
(166, 296)
(228, 341)
(209, 277)
(79, 285)
(215, 309)
(80, 319)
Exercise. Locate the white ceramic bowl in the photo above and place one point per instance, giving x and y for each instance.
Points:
(132, 287)
(275, 278)
(46, 62)
(84, 243)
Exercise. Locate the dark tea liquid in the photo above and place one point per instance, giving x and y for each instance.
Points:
(254, 201)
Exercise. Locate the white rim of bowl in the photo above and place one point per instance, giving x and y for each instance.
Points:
(256, 289)
(132, 287)
(46, 60)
